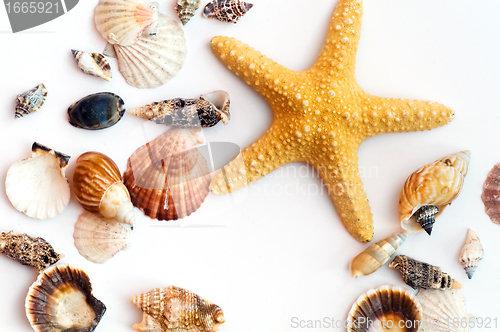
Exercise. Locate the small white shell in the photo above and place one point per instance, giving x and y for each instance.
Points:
(94, 64)
(472, 252)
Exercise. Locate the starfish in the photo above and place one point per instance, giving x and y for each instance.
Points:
(321, 116)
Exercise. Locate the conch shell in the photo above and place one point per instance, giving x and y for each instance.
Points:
(94, 64)
(428, 191)
(472, 252)
(98, 188)
(376, 255)
(31, 101)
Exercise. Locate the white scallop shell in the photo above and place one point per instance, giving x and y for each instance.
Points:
(153, 59)
(122, 22)
(98, 239)
(472, 252)
(37, 186)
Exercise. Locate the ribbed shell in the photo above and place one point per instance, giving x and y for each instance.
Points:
(175, 309)
(123, 21)
(98, 239)
(30, 101)
(154, 59)
(94, 64)
(385, 305)
(491, 194)
(376, 255)
(186, 9)
(443, 310)
(61, 300)
(229, 11)
(472, 252)
(168, 178)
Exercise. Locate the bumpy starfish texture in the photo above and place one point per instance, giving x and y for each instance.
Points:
(321, 116)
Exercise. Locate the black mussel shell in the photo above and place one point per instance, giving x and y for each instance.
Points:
(97, 111)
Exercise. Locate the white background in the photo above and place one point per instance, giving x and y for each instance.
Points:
(277, 250)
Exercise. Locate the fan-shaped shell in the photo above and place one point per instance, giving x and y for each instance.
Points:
(226, 10)
(437, 184)
(443, 310)
(122, 22)
(37, 186)
(472, 252)
(98, 187)
(175, 309)
(491, 194)
(31, 101)
(61, 300)
(387, 308)
(168, 178)
(186, 9)
(153, 59)
(94, 64)
(98, 239)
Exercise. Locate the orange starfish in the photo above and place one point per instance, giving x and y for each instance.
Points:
(321, 116)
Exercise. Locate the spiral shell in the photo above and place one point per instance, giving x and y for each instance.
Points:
(186, 9)
(229, 11)
(376, 255)
(472, 252)
(98, 188)
(30, 101)
(175, 309)
(94, 64)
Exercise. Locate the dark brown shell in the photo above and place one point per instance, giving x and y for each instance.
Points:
(226, 10)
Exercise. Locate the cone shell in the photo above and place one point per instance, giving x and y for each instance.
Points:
(31, 101)
(61, 300)
(175, 309)
(376, 255)
(154, 59)
(168, 178)
(385, 306)
(35, 252)
(491, 194)
(122, 22)
(441, 309)
(229, 11)
(98, 239)
(186, 9)
(418, 274)
(37, 186)
(94, 64)
(472, 252)
(438, 184)
(98, 188)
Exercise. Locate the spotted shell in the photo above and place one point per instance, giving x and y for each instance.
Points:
(98, 188)
(437, 184)
(122, 22)
(94, 64)
(186, 9)
(472, 252)
(30, 101)
(491, 194)
(226, 10)
(175, 309)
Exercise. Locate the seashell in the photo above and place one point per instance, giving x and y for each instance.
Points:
(443, 310)
(98, 239)
(472, 252)
(94, 64)
(37, 186)
(61, 300)
(175, 309)
(418, 274)
(383, 309)
(186, 9)
(376, 255)
(122, 22)
(430, 189)
(491, 194)
(168, 178)
(30, 101)
(187, 113)
(154, 59)
(98, 188)
(35, 252)
(226, 10)
(98, 111)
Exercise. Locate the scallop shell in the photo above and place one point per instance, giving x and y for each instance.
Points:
(385, 308)
(35, 252)
(97, 111)
(61, 300)
(98, 239)
(436, 184)
(98, 188)
(229, 11)
(418, 274)
(491, 194)
(30, 101)
(122, 22)
(154, 59)
(37, 186)
(186, 9)
(472, 252)
(168, 178)
(187, 113)
(443, 310)
(376, 255)
(94, 64)
(175, 309)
